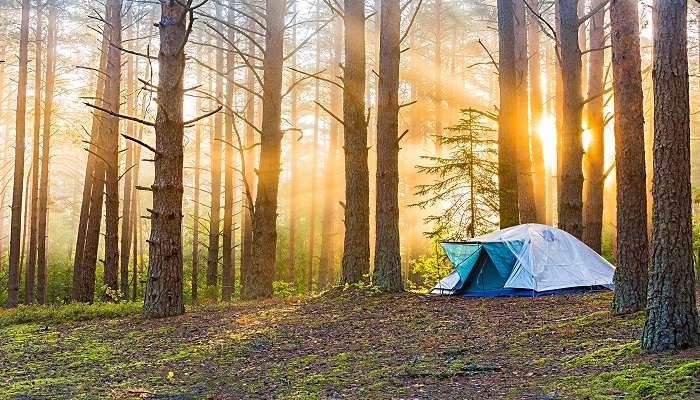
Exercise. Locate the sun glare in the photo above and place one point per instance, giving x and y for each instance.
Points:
(547, 129)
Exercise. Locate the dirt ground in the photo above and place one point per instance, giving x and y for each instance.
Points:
(351, 344)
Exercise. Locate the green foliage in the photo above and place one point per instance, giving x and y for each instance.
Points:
(431, 268)
(283, 289)
(55, 314)
(465, 181)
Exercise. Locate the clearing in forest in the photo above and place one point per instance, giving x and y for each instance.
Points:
(347, 344)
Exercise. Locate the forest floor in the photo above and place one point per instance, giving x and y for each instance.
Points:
(350, 344)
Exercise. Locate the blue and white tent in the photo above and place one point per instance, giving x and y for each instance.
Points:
(524, 260)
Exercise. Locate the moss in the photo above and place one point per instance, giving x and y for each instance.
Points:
(56, 314)
(636, 382)
(606, 355)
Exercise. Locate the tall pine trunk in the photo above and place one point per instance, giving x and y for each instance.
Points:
(110, 127)
(228, 276)
(355, 262)
(196, 197)
(18, 183)
(326, 265)
(265, 212)
(215, 211)
(534, 67)
(632, 254)
(526, 200)
(507, 123)
(387, 253)
(594, 181)
(164, 283)
(570, 200)
(42, 268)
(672, 314)
(84, 272)
(33, 200)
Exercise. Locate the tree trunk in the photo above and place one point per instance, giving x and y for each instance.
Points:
(164, 283)
(356, 243)
(326, 265)
(128, 178)
(314, 170)
(387, 254)
(265, 212)
(18, 183)
(438, 75)
(196, 196)
(215, 211)
(110, 127)
(42, 292)
(672, 315)
(632, 245)
(595, 154)
(507, 143)
(526, 197)
(249, 177)
(228, 277)
(570, 200)
(539, 176)
(33, 200)
(91, 208)
(293, 169)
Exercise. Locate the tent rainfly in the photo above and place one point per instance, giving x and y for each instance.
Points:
(524, 260)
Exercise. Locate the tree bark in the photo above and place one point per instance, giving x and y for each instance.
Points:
(387, 255)
(326, 265)
(526, 200)
(672, 315)
(164, 283)
(265, 212)
(228, 276)
(632, 245)
(570, 201)
(314, 170)
(249, 177)
(215, 211)
(355, 262)
(18, 183)
(507, 143)
(539, 175)
(293, 168)
(128, 178)
(33, 200)
(91, 207)
(42, 292)
(196, 197)
(594, 181)
(110, 127)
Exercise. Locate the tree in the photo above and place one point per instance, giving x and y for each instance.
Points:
(387, 257)
(595, 154)
(571, 179)
(672, 315)
(18, 182)
(110, 151)
(507, 145)
(326, 265)
(164, 283)
(632, 246)
(90, 218)
(464, 180)
(42, 288)
(33, 200)
(534, 67)
(265, 211)
(526, 200)
(228, 270)
(215, 210)
(355, 264)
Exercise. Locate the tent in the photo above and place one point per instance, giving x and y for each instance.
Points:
(524, 260)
